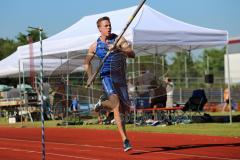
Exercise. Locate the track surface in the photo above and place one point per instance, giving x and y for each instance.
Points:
(86, 144)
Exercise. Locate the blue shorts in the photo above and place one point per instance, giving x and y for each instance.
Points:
(120, 88)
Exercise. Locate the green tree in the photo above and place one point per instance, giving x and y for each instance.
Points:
(197, 68)
(177, 68)
(178, 72)
(152, 63)
(216, 61)
(22, 39)
(7, 47)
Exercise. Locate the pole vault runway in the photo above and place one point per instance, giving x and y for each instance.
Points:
(88, 144)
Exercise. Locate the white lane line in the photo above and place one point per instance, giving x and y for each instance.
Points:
(192, 155)
(115, 148)
(58, 148)
(48, 153)
(61, 143)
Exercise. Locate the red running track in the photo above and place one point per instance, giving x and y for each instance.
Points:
(87, 144)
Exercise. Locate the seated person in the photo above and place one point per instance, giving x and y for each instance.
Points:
(14, 92)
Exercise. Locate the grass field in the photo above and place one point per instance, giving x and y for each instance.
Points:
(214, 129)
(223, 113)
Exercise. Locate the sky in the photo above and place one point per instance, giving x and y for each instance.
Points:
(56, 15)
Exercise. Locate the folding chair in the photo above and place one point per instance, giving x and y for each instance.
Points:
(196, 102)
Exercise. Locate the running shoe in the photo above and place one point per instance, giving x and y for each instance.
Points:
(98, 105)
(126, 145)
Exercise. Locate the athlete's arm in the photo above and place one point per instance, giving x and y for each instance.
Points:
(126, 48)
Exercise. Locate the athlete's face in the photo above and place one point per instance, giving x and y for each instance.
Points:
(105, 28)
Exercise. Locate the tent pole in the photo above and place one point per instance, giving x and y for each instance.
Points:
(139, 66)
(229, 86)
(185, 69)
(89, 97)
(163, 65)
(19, 81)
(207, 64)
(156, 61)
(92, 98)
(23, 83)
(25, 97)
(62, 80)
(134, 94)
(67, 89)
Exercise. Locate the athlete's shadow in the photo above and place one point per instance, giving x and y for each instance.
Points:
(165, 148)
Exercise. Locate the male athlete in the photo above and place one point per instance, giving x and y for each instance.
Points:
(112, 74)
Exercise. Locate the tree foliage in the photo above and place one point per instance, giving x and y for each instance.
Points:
(177, 68)
(198, 67)
(216, 61)
(211, 60)
(8, 46)
(22, 39)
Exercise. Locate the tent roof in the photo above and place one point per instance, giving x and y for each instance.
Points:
(149, 29)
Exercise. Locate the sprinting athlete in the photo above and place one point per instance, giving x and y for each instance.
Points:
(112, 74)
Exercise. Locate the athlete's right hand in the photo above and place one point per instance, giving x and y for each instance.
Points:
(112, 48)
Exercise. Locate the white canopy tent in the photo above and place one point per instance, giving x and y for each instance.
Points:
(150, 32)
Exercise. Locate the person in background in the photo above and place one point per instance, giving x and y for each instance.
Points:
(226, 106)
(13, 92)
(169, 90)
(74, 105)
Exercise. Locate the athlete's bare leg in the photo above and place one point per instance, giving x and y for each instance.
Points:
(114, 103)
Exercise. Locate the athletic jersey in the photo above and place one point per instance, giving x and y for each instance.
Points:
(113, 72)
(115, 62)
